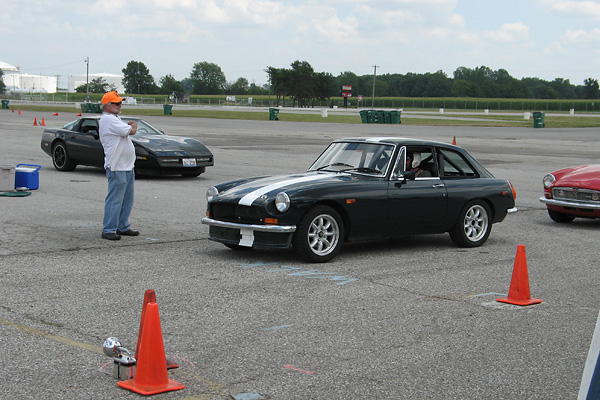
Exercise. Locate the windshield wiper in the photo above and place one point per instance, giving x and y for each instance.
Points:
(337, 164)
(362, 169)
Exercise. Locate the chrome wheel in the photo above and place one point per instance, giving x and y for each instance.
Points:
(323, 234)
(473, 226)
(319, 234)
(476, 223)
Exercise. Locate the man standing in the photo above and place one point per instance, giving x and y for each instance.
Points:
(119, 159)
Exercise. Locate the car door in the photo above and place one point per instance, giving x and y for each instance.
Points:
(416, 205)
(83, 143)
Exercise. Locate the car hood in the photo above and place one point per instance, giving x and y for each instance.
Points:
(585, 176)
(262, 189)
(171, 144)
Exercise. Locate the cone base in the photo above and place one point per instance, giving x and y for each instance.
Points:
(150, 389)
(526, 302)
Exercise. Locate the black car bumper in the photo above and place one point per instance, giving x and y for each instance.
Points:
(250, 235)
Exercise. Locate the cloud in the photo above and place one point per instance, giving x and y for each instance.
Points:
(509, 33)
(579, 36)
(587, 9)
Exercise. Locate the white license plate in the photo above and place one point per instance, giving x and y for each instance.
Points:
(189, 162)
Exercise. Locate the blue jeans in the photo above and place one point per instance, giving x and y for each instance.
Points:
(119, 201)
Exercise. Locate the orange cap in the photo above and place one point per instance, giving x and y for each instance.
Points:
(111, 97)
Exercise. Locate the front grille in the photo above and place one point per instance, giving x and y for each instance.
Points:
(237, 213)
(576, 194)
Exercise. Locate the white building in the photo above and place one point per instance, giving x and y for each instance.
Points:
(17, 82)
(113, 80)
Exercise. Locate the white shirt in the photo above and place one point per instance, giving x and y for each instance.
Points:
(119, 153)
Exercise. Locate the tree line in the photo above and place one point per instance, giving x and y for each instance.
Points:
(303, 84)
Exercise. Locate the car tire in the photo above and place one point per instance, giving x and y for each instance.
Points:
(560, 217)
(473, 226)
(60, 158)
(319, 235)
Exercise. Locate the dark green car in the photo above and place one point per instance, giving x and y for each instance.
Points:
(362, 189)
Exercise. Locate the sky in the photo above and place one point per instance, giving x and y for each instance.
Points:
(547, 39)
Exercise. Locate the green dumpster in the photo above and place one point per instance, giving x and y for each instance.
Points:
(539, 119)
(273, 114)
(94, 108)
(379, 117)
(395, 117)
(167, 109)
(387, 115)
(4, 104)
(371, 115)
(364, 118)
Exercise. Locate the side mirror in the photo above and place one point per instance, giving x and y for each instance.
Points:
(410, 175)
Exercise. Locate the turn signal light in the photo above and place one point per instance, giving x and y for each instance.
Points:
(271, 221)
(514, 192)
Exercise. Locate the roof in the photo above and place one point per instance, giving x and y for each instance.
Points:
(7, 67)
(395, 141)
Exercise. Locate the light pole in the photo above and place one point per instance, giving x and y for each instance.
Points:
(87, 80)
(373, 96)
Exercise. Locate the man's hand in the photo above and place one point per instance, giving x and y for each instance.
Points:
(133, 125)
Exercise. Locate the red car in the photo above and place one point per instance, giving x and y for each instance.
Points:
(573, 192)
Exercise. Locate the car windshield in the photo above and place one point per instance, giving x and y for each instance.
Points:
(360, 157)
(144, 128)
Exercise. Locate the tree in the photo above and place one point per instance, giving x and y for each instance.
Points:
(590, 88)
(240, 86)
(137, 78)
(303, 84)
(98, 85)
(168, 85)
(2, 85)
(208, 78)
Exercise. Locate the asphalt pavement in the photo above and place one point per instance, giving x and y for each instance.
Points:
(414, 318)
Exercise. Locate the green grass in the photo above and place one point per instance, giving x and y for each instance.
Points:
(428, 119)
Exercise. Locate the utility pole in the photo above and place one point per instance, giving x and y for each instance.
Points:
(87, 81)
(374, 75)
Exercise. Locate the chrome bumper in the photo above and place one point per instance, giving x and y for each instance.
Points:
(258, 228)
(570, 204)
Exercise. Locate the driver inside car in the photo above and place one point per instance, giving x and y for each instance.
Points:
(413, 163)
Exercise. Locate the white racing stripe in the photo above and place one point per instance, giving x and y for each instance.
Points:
(248, 199)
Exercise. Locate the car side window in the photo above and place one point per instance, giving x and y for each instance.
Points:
(88, 125)
(399, 166)
(454, 165)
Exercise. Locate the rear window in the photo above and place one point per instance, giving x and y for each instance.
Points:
(453, 164)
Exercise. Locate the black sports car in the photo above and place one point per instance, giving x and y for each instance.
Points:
(362, 189)
(78, 142)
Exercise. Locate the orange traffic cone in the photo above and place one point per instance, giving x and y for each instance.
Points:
(19, 111)
(518, 293)
(43, 122)
(35, 121)
(454, 141)
(12, 110)
(55, 115)
(149, 297)
(78, 115)
(151, 371)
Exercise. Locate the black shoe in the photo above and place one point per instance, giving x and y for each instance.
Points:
(129, 232)
(110, 236)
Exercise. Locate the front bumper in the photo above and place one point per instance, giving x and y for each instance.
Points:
(250, 235)
(570, 204)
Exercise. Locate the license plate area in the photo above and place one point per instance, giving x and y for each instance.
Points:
(189, 162)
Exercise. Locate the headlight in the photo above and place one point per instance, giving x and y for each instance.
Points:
(282, 202)
(548, 180)
(211, 192)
